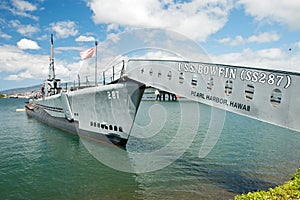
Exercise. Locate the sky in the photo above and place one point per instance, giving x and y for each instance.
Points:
(256, 33)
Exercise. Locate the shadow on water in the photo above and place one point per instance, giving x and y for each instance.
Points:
(249, 156)
(223, 176)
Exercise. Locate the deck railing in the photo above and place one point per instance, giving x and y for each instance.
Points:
(114, 73)
(105, 77)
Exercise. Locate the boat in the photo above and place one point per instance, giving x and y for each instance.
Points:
(106, 112)
(108, 119)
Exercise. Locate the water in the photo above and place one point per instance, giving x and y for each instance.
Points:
(40, 162)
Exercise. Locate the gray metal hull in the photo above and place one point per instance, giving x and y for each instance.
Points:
(103, 113)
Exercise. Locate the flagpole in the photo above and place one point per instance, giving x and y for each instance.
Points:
(96, 83)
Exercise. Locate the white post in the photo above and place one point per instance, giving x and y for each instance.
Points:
(96, 82)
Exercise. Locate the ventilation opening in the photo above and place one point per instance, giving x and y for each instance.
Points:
(110, 127)
(276, 97)
(120, 129)
(210, 83)
(181, 78)
(115, 128)
(228, 87)
(249, 92)
(194, 80)
(169, 75)
(151, 72)
(159, 74)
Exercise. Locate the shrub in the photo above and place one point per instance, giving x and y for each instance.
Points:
(290, 190)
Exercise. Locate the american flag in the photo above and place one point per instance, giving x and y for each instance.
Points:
(87, 53)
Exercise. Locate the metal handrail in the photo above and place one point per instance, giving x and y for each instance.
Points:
(108, 76)
(115, 75)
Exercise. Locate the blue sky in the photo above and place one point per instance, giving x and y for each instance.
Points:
(239, 32)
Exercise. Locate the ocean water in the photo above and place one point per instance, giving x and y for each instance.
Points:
(41, 162)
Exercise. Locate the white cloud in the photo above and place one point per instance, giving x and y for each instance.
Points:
(15, 23)
(22, 65)
(273, 58)
(112, 27)
(27, 44)
(23, 5)
(12, 77)
(20, 76)
(4, 35)
(264, 37)
(64, 29)
(237, 41)
(83, 38)
(113, 37)
(225, 40)
(259, 38)
(42, 37)
(24, 14)
(21, 8)
(297, 44)
(14, 59)
(196, 19)
(25, 30)
(284, 12)
(70, 48)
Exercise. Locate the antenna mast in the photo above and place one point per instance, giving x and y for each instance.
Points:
(51, 65)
